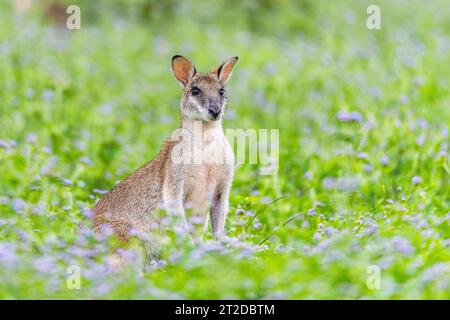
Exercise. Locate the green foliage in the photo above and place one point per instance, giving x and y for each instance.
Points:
(363, 173)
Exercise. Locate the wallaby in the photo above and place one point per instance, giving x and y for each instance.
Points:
(200, 187)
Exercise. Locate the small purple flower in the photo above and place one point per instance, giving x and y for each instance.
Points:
(416, 180)
(265, 200)
(257, 224)
(422, 123)
(249, 213)
(362, 155)
(402, 245)
(404, 99)
(8, 257)
(419, 81)
(329, 183)
(66, 182)
(102, 289)
(80, 145)
(437, 270)
(45, 264)
(311, 213)
(345, 116)
(4, 200)
(18, 205)
(105, 232)
(99, 191)
(329, 231)
(86, 161)
(308, 175)
(420, 140)
(31, 138)
(317, 236)
(375, 92)
(37, 210)
(442, 154)
(197, 220)
(106, 109)
(47, 150)
(385, 160)
(371, 230)
(5, 145)
(48, 95)
(87, 212)
(29, 93)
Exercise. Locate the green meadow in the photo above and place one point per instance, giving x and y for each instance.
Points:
(359, 207)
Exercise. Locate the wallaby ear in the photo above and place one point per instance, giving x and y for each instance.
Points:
(224, 71)
(182, 69)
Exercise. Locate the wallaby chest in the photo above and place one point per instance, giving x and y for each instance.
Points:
(216, 167)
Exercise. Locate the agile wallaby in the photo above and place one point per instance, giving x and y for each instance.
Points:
(202, 186)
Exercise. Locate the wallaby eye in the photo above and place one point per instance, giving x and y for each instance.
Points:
(195, 91)
(221, 91)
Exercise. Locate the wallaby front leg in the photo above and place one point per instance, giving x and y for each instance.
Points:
(173, 202)
(219, 211)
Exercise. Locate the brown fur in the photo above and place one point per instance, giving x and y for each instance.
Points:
(201, 187)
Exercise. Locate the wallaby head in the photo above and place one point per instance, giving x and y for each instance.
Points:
(204, 94)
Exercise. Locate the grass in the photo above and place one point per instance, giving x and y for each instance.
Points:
(363, 175)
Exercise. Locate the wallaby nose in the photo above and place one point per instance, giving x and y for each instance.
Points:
(214, 111)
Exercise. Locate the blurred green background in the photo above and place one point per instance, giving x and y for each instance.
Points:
(363, 174)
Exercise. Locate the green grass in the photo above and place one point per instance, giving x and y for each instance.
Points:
(92, 105)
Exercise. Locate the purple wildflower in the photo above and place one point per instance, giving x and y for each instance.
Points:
(345, 116)
(8, 257)
(375, 92)
(362, 155)
(99, 191)
(18, 205)
(329, 183)
(402, 245)
(416, 180)
(265, 200)
(308, 175)
(45, 264)
(257, 224)
(385, 160)
(87, 212)
(29, 93)
(403, 99)
(422, 123)
(48, 95)
(4, 200)
(5, 145)
(106, 109)
(437, 270)
(66, 182)
(31, 138)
